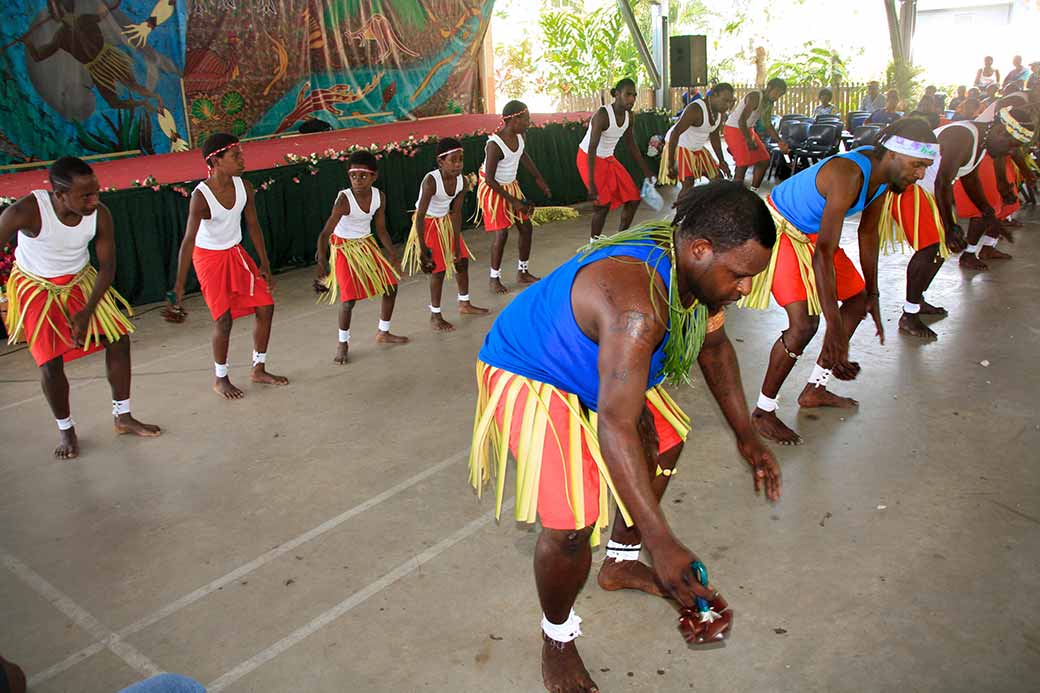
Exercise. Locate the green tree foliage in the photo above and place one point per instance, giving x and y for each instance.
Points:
(515, 70)
(814, 65)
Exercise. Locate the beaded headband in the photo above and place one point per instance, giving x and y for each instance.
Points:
(1015, 128)
(222, 150)
(918, 150)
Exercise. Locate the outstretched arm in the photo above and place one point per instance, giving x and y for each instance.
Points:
(718, 362)
(869, 248)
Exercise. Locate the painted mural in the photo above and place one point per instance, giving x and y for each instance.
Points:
(99, 76)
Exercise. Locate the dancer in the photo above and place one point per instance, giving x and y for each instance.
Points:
(502, 203)
(439, 249)
(609, 184)
(360, 270)
(59, 303)
(569, 381)
(744, 143)
(686, 157)
(231, 284)
(810, 274)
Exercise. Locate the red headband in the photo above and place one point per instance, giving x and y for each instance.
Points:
(221, 151)
(514, 115)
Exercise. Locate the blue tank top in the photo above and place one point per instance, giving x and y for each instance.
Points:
(537, 336)
(798, 200)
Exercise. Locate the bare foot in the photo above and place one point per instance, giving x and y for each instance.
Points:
(341, 353)
(497, 286)
(769, 425)
(224, 388)
(526, 278)
(629, 575)
(815, 396)
(991, 253)
(124, 424)
(911, 324)
(562, 669)
(260, 375)
(385, 337)
(439, 324)
(467, 308)
(969, 261)
(928, 309)
(68, 446)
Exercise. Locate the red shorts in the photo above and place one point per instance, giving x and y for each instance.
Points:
(353, 287)
(988, 177)
(554, 505)
(432, 239)
(495, 211)
(914, 203)
(737, 146)
(55, 336)
(230, 281)
(788, 286)
(614, 187)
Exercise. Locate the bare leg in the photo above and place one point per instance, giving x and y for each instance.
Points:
(261, 335)
(628, 213)
(386, 312)
(739, 172)
(56, 390)
(221, 339)
(801, 328)
(599, 220)
(437, 320)
(561, 565)
(346, 312)
(852, 313)
(524, 252)
(920, 272)
(760, 172)
(117, 364)
(462, 279)
(498, 249)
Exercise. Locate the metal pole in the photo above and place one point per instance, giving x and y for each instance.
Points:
(637, 36)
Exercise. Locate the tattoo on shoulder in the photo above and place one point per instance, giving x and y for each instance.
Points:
(634, 323)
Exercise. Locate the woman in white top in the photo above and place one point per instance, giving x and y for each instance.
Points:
(230, 281)
(609, 183)
(744, 143)
(435, 244)
(358, 269)
(502, 202)
(987, 74)
(686, 157)
(59, 303)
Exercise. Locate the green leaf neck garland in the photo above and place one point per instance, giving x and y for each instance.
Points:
(687, 327)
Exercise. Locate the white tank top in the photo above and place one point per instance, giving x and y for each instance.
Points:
(440, 203)
(990, 114)
(57, 249)
(609, 138)
(930, 174)
(510, 163)
(986, 80)
(695, 137)
(223, 229)
(734, 118)
(357, 223)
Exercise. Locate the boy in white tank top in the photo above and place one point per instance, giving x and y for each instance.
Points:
(59, 303)
(609, 184)
(231, 284)
(359, 270)
(743, 142)
(435, 244)
(700, 123)
(502, 202)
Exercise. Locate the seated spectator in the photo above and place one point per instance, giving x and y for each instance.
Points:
(962, 93)
(888, 114)
(928, 102)
(1017, 73)
(826, 107)
(873, 100)
(931, 116)
(967, 109)
(1034, 75)
(975, 93)
(987, 74)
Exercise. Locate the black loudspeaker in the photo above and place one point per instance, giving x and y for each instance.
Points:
(688, 58)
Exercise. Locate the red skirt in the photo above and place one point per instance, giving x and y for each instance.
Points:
(988, 177)
(615, 188)
(230, 281)
(788, 286)
(737, 146)
(495, 210)
(432, 239)
(55, 336)
(926, 233)
(352, 286)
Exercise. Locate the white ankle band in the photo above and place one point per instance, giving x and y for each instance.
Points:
(623, 552)
(495, 273)
(767, 403)
(259, 358)
(974, 249)
(344, 336)
(384, 325)
(991, 241)
(65, 424)
(820, 376)
(220, 369)
(436, 310)
(911, 308)
(521, 265)
(563, 632)
(120, 406)
(463, 297)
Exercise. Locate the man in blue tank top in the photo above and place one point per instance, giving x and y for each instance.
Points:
(809, 274)
(570, 380)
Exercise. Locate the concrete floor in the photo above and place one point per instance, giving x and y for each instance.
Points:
(322, 537)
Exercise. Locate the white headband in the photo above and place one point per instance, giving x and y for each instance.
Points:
(450, 151)
(364, 170)
(918, 150)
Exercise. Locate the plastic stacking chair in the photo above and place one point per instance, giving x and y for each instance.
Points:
(822, 141)
(793, 133)
(864, 135)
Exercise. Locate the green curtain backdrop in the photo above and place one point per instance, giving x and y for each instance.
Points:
(149, 224)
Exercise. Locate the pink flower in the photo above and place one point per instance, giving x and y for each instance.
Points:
(295, 180)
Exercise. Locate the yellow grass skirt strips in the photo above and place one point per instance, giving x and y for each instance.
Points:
(367, 263)
(489, 451)
(495, 204)
(758, 298)
(411, 258)
(108, 320)
(894, 225)
(695, 164)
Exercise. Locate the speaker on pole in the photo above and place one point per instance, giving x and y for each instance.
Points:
(689, 60)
